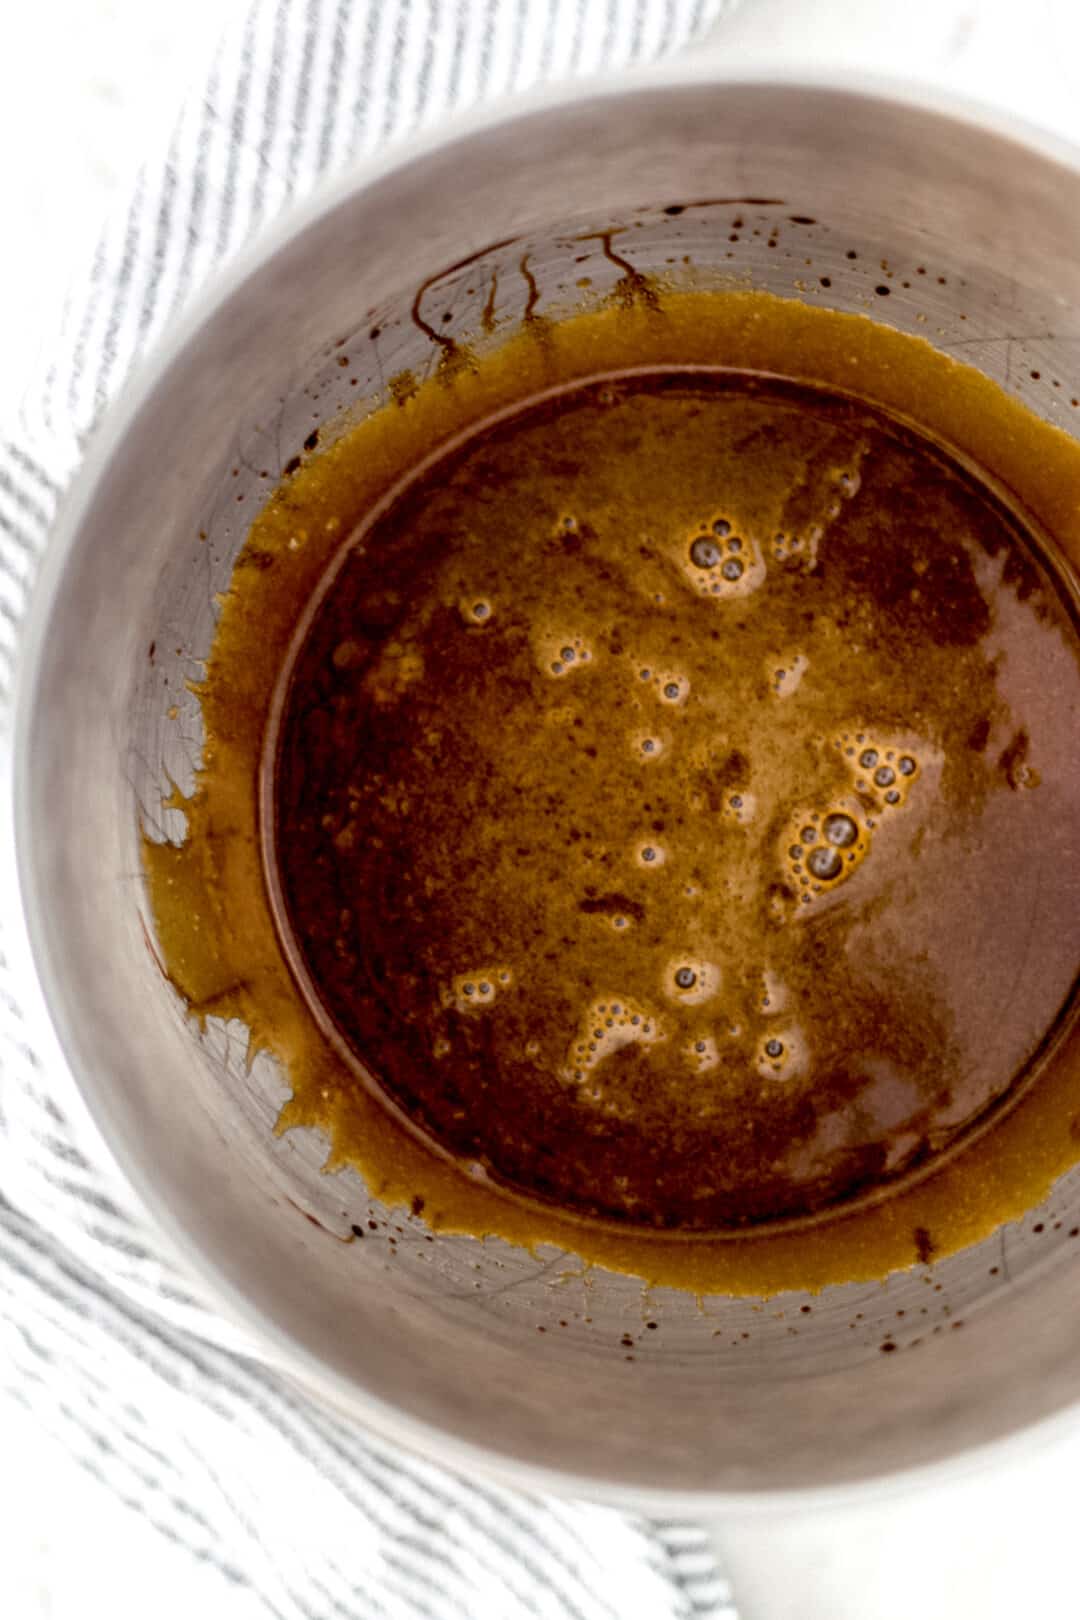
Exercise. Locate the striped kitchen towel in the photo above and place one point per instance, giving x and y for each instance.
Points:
(104, 1342)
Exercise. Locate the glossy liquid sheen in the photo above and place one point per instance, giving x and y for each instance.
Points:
(674, 801)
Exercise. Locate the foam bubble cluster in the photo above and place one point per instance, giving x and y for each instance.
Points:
(823, 846)
(608, 1025)
(882, 770)
(716, 561)
(477, 990)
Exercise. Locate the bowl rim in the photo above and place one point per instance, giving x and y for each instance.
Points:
(269, 1341)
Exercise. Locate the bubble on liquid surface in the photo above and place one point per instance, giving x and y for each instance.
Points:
(825, 863)
(704, 552)
(671, 686)
(722, 527)
(732, 569)
(819, 848)
(774, 1048)
(689, 981)
(476, 990)
(906, 765)
(741, 807)
(809, 862)
(840, 829)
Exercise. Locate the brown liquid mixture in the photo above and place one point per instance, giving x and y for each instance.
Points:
(676, 800)
(436, 869)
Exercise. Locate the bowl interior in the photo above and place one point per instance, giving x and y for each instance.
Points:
(817, 194)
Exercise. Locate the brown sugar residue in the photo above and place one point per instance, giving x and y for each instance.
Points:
(802, 1054)
(632, 287)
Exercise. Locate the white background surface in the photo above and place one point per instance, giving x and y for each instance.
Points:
(85, 86)
(69, 1550)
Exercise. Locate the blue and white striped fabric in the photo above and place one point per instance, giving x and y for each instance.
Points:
(102, 1339)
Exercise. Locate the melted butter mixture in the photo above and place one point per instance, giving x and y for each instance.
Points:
(654, 811)
(665, 837)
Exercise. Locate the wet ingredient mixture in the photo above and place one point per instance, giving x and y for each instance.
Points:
(645, 829)
(675, 801)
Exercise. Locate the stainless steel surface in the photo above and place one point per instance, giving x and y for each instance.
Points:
(437, 1343)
